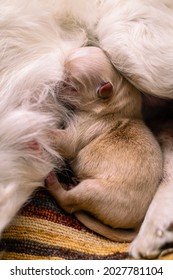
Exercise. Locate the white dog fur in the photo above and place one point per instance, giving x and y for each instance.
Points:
(35, 38)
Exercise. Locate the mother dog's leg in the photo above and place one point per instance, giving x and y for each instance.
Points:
(26, 159)
(157, 229)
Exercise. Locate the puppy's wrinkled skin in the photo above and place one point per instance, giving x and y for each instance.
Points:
(113, 154)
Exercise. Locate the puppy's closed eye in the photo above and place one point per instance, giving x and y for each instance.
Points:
(105, 90)
(68, 87)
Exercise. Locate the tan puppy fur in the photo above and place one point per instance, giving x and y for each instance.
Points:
(112, 153)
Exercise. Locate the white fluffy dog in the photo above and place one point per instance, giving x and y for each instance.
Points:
(35, 38)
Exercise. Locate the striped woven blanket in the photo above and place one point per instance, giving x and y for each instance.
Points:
(42, 230)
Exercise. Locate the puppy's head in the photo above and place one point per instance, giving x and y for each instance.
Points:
(92, 84)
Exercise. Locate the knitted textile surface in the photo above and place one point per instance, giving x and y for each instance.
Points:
(42, 230)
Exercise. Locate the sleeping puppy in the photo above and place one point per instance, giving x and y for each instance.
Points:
(35, 36)
(113, 154)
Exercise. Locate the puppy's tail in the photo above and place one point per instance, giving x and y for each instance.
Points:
(118, 235)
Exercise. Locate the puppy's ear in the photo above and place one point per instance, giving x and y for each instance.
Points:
(105, 90)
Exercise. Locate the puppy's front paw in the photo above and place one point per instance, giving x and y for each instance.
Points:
(55, 188)
(51, 181)
(152, 243)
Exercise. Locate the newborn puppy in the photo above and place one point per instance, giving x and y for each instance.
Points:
(113, 154)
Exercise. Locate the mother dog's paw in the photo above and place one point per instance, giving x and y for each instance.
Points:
(153, 243)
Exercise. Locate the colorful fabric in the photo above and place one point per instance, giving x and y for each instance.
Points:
(42, 230)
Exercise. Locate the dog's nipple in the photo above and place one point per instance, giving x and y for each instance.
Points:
(33, 145)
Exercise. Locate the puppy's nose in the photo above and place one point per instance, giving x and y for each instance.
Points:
(105, 90)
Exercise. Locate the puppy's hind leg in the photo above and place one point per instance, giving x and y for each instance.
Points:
(77, 198)
(86, 196)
